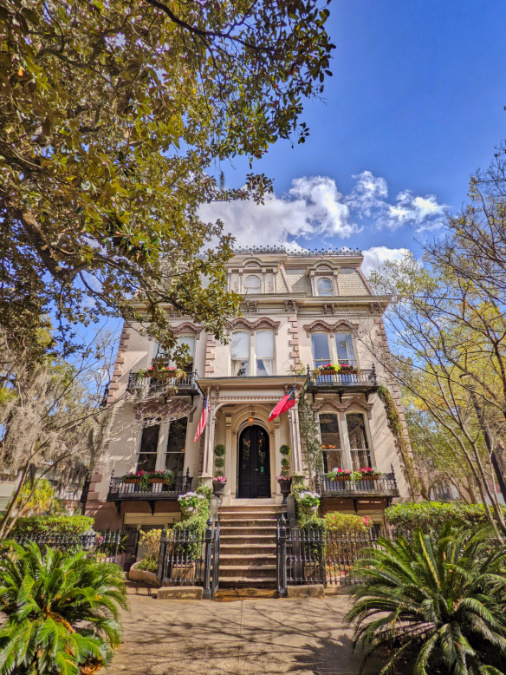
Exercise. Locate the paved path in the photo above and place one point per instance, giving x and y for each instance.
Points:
(246, 637)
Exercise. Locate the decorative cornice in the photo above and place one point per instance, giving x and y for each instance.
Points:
(323, 326)
(327, 404)
(258, 250)
(259, 324)
(187, 327)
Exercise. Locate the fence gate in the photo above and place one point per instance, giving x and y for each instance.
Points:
(190, 559)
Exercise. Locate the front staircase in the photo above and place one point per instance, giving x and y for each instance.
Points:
(248, 545)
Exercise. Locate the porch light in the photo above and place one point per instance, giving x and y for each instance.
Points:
(251, 419)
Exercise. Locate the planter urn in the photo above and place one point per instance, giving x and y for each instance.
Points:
(285, 486)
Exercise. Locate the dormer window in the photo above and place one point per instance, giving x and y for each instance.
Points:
(252, 284)
(325, 287)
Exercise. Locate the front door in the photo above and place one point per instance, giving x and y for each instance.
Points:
(254, 471)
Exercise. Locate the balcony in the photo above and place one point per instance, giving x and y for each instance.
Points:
(384, 486)
(150, 387)
(365, 381)
(152, 493)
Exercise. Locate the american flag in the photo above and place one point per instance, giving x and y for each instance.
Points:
(203, 419)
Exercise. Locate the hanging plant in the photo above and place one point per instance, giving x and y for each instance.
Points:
(310, 438)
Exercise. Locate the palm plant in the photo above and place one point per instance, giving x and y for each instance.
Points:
(62, 611)
(439, 599)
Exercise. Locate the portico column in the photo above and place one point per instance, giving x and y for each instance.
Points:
(297, 445)
(228, 453)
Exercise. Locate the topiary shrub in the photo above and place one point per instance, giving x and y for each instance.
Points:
(219, 461)
(284, 450)
(433, 516)
(39, 526)
(219, 450)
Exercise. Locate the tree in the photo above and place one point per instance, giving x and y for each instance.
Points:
(62, 611)
(450, 334)
(54, 420)
(36, 502)
(114, 117)
(438, 598)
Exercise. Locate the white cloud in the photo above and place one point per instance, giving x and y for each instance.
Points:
(314, 207)
(368, 198)
(375, 256)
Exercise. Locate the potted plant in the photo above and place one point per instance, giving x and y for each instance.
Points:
(285, 479)
(348, 369)
(309, 502)
(132, 477)
(189, 502)
(327, 369)
(368, 473)
(219, 480)
(161, 477)
(339, 474)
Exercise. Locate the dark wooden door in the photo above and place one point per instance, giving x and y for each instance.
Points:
(254, 469)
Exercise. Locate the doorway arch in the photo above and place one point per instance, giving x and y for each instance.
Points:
(254, 475)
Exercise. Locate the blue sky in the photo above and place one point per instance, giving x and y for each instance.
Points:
(416, 100)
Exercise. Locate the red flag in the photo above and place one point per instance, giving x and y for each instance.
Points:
(203, 419)
(287, 402)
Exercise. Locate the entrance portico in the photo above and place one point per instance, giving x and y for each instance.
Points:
(239, 408)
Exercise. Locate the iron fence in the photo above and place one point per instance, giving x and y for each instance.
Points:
(316, 556)
(124, 491)
(102, 545)
(189, 558)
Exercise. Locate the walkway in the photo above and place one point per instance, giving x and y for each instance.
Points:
(246, 637)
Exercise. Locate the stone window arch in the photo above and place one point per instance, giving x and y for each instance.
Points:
(325, 287)
(252, 284)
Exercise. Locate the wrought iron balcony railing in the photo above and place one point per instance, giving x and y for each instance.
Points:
(384, 486)
(120, 491)
(363, 381)
(150, 386)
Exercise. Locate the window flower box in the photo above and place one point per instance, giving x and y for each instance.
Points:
(328, 369)
(368, 473)
(348, 369)
(164, 477)
(339, 474)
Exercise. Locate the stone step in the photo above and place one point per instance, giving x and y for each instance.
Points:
(244, 524)
(240, 539)
(252, 559)
(247, 548)
(248, 531)
(248, 582)
(248, 515)
(249, 571)
(243, 593)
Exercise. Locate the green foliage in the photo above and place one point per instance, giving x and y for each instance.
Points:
(401, 443)
(346, 522)
(117, 133)
(148, 565)
(219, 450)
(43, 498)
(438, 598)
(219, 462)
(433, 516)
(311, 523)
(205, 490)
(285, 463)
(285, 450)
(62, 611)
(150, 542)
(310, 437)
(33, 526)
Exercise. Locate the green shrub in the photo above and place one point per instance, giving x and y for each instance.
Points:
(148, 565)
(285, 463)
(219, 462)
(219, 450)
(433, 516)
(150, 542)
(34, 526)
(205, 490)
(346, 522)
(312, 523)
(438, 599)
(62, 611)
(284, 450)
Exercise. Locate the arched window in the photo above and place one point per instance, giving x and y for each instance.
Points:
(325, 287)
(252, 284)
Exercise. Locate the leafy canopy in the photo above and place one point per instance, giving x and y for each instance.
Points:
(112, 113)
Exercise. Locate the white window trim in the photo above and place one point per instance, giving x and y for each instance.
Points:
(252, 369)
(343, 435)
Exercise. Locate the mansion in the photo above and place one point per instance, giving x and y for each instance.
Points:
(301, 311)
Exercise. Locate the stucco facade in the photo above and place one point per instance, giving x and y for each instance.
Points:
(299, 311)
